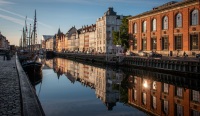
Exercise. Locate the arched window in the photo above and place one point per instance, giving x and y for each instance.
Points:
(165, 22)
(178, 20)
(144, 26)
(135, 27)
(153, 25)
(194, 17)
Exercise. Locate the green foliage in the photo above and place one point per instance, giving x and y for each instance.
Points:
(123, 33)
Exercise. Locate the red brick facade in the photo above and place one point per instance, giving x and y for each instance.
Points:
(182, 32)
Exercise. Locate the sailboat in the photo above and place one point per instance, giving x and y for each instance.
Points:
(33, 66)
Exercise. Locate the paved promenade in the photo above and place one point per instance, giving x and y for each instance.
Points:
(17, 96)
(10, 103)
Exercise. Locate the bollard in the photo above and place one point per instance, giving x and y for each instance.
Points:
(4, 57)
(8, 57)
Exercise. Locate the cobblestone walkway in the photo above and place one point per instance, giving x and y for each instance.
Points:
(9, 88)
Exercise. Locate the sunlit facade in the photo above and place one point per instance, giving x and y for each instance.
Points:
(169, 28)
(105, 25)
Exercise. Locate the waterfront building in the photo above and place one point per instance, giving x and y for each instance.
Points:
(4, 42)
(87, 38)
(47, 42)
(60, 41)
(72, 39)
(159, 97)
(170, 29)
(109, 22)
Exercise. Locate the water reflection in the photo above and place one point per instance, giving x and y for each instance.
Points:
(106, 82)
(162, 94)
(150, 92)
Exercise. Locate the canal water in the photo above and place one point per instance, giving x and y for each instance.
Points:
(70, 88)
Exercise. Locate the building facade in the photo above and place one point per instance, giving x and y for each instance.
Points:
(109, 22)
(4, 43)
(170, 29)
(47, 42)
(72, 39)
(87, 38)
(60, 41)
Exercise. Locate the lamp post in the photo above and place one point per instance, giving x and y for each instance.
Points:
(160, 44)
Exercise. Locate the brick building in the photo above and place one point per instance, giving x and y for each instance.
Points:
(170, 28)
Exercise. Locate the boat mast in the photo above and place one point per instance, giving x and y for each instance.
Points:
(24, 40)
(34, 31)
(30, 39)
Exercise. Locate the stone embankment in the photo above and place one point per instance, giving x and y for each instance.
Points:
(173, 64)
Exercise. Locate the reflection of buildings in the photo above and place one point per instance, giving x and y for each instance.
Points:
(49, 63)
(163, 98)
(100, 79)
(105, 80)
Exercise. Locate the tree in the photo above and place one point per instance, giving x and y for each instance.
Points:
(121, 37)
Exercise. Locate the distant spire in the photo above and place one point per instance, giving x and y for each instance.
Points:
(59, 30)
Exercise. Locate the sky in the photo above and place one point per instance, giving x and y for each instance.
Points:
(63, 14)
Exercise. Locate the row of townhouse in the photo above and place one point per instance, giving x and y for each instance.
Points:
(93, 38)
(172, 28)
(4, 43)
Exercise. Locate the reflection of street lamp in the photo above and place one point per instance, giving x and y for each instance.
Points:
(145, 84)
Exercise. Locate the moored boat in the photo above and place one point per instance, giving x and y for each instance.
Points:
(32, 67)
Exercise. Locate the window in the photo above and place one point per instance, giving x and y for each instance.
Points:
(165, 107)
(195, 113)
(165, 23)
(178, 42)
(135, 28)
(144, 97)
(178, 20)
(153, 28)
(154, 102)
(194, 17)
(135, 94)
(144, 26)
(134, 44)
(153, 43)
(195, 96)
(165, 43)
(179, 110)
(154, 85)
(165, 88)
(194, 42)
(144, 44)
(179, 92)
(135, 80)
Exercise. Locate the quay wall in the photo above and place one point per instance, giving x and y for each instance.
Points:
(30, 104)
(184, 65)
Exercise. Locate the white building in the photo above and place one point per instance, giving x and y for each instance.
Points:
(109, 22)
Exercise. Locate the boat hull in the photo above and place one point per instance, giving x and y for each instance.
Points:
(32, 68)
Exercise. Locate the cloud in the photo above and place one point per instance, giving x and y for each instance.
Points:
(21, 16)
(3, 2)
(12, 19)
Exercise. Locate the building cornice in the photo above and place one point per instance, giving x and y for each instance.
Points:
(166, 9)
